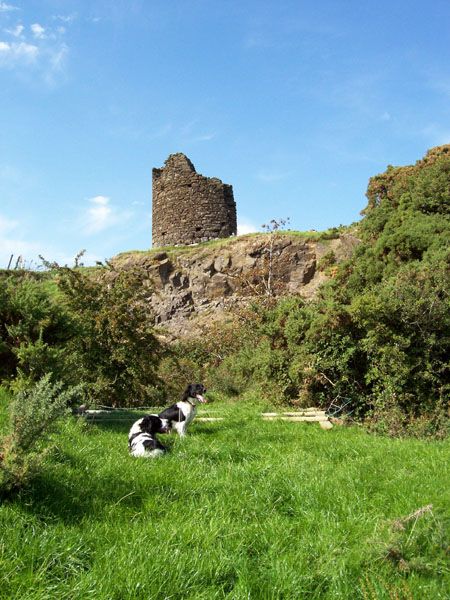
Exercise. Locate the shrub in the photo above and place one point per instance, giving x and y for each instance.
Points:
(34, 327)
(328, 260)
(32, 415)
(114, 350)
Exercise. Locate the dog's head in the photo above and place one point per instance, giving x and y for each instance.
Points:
(195, 391)
(153, 424)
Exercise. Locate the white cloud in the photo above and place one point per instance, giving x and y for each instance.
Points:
(57, 59)
(207, 137)
(65, 18)
(102, 215)
(16, 31)
(245, 226)
(40, 48)
(191, 135)
(17, 53)
(38, 31)
(7, 7)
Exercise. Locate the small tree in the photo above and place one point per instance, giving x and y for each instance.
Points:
(272, 228)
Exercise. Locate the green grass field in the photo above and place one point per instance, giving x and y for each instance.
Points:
(239, 509)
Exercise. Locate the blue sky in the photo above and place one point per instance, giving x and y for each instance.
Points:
(294, 103)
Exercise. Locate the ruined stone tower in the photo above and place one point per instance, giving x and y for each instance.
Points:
(188, 207)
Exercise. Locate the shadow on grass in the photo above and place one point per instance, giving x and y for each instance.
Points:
(115, 423)
(122, 424)
(72, 487)
(52, 497)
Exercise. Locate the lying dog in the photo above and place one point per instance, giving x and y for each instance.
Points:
(182, 413)
(142, 439)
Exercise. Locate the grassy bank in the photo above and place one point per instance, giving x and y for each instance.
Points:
(239, 509)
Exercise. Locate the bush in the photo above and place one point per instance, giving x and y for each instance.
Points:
(114, 350)
(34, 328)
(32, 416)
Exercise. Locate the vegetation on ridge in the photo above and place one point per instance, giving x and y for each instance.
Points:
(377, 338)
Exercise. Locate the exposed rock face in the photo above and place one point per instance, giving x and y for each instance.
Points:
(202, 283)
(189, 208)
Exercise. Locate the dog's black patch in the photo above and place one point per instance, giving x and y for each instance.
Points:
(173, 413)
(153, 444)
(152, 424)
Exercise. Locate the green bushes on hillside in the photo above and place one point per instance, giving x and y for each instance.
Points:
(114, 350)
(34, 329)
(90, 327)
(378, 335)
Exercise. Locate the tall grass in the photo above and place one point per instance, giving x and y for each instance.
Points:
(240, 508)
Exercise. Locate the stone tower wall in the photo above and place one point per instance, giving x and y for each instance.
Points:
(188, 207)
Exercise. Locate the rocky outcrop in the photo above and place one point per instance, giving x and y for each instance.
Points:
(204, 281)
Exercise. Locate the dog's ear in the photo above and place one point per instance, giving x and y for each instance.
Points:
(145, 424)
(187, 393)
(150, 424)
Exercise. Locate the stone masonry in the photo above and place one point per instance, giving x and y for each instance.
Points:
(189, 208)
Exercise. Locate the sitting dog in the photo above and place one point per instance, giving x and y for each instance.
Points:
(142, 439)
(182, 413)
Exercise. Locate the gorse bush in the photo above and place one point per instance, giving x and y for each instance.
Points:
(32, 416)
(114, 350)
(83, 325)
(34, 329)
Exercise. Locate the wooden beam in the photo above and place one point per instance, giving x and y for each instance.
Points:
(298, 413)
(312, 419)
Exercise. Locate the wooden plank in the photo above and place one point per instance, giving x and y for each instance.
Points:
(310, 419)
(306, 413)
(319, 413)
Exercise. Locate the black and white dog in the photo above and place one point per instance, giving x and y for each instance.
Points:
(182, 413)
(142, 439)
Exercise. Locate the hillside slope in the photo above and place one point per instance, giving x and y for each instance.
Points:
(190, 283)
